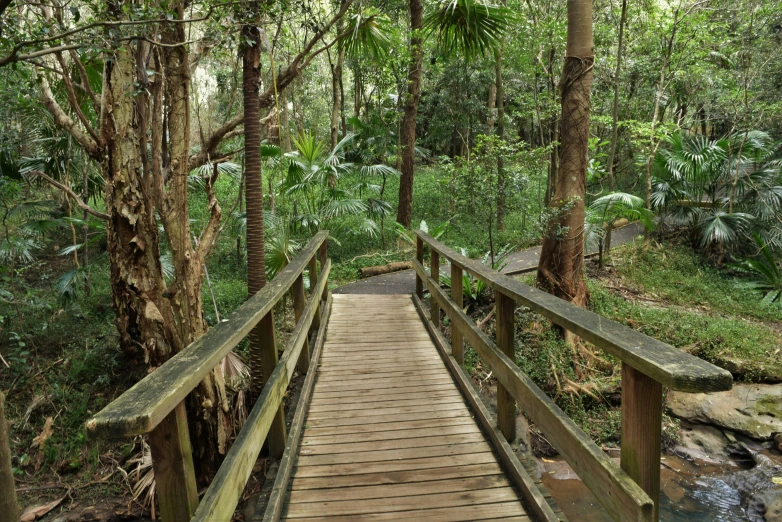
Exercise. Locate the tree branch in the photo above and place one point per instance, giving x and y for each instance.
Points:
(84, 206)
(212, 229)
(63, 120)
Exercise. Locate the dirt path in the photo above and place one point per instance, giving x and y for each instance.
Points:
(404, 282)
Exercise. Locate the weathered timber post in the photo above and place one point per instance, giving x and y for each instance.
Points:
(8, 504)
(324, 254)
(434, 258)
(419, 255)
(172, 460)
(269, 357)
(506, 405)
(642, 416)
(457, 341)
(313, 284)
(299, 305)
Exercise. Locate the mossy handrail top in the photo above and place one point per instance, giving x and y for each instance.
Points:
(664, 363)
(140, 409)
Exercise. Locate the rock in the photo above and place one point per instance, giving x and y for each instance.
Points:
(702, 442)
(752, 409)
(774, 508)
(778, 441)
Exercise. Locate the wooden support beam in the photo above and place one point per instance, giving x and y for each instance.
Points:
(434, 269)
(299, 304)
(506, 329)
(642, 414)
(8, 505)
(419, 255)
(324, 255)
(172, 460)
(269, 358)
(313, 285)
(457, 294)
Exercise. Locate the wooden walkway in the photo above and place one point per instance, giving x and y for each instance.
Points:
(388, 435)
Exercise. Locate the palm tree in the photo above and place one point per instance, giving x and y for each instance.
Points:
(723, 190)
(467, 27)
(605, 211)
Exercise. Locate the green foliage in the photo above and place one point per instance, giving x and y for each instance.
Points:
(610, 208)
(468, 27)
(765, 273)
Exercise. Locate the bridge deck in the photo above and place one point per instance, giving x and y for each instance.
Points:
(388, 435)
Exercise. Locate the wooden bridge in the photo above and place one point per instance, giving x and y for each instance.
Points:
(388, 425)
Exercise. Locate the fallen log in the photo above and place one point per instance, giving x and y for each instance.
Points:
(370, 271)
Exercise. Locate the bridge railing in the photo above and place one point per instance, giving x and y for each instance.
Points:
(155, 405)
(629, 492)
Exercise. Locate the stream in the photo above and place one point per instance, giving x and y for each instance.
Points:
(691, 490)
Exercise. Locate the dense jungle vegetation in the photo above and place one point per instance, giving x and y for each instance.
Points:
(159, 160)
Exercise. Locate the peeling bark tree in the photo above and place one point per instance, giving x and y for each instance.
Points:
(404, 213)
(560, 270)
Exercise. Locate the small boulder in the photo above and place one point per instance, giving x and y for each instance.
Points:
(754, 410)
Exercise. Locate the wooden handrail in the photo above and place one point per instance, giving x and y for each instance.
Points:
(220, 500)
(621, 497)
(629, 493)
(141, 408)
(156, 406)
(667, 365)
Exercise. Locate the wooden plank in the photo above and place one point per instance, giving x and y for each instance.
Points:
(383, 392)
(642, 416)
(664, 363)
(393, 455)
(375, 369)
(396, 477)
(384, 411)
(277, 495)
(378, 384)
(172, 460)
(222, 496)
(452, 514)
(352, 376)
(314, 431)
(401, 403)
(346, 438)
(382, 419)
(613, 488)
(506, 341)
(141, 408)
(515, 469)
(403, 395)
(438, 462)
(390, 505)
(300, 496)
(313, 273)
(377, 445)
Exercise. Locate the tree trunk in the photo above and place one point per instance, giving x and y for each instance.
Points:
(560, 270)
(615, 123)
(404, 214)
(492, 105)
(336, 78)
(85, 259)
(501, 136)
(8, 504)
(285, 130)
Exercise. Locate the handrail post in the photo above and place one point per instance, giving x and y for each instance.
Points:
(172, 460)
(313, 284)
(324, 254)
(457, 341)
(299, 304)
(642, 416)
(267, 340)
(419, 255)
(434, 261)
(506, 330)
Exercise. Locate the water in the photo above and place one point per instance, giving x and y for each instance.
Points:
(690, 491)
